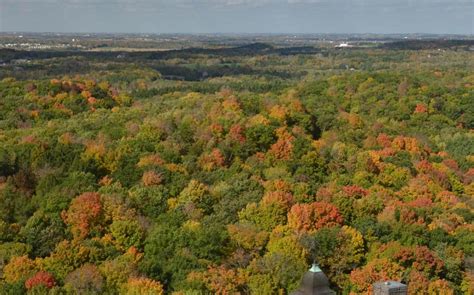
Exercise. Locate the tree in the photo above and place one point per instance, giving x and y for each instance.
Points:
(150, 178)
(282, 149)
(195, 193)
(84, 280)
(275, 273)
(40, 279)
(127, 233)
(214, 160)
(313, 216)
(376, 270)
(43, 231)
(18, 269)
(142, 286)
(247, 236)
(269, 213)
(117, 271)
(220, 280)
(83, 214)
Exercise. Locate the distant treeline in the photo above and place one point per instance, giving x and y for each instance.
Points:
(253, 49)
(429, 44)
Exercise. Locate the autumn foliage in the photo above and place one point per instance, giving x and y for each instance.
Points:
(311, 217)
(220, 280)
(83, 213)
(221, 170)
(40, 279)
(19, 268)
(139, 286)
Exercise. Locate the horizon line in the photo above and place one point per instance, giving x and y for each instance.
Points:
(235, 33)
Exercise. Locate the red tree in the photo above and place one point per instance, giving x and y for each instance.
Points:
(40, 278)
(311, 217)
(421, 108)
(83, 213)
(236, 133)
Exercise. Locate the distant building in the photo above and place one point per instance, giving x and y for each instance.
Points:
(390, 288)
(344, 45)
(314, 282)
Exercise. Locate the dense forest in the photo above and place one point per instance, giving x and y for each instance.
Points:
(229, 171)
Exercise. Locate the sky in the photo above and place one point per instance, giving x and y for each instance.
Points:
(238, 16)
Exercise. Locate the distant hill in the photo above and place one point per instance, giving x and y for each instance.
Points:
(429, 44)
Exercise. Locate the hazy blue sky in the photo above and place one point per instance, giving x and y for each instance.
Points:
(239, 16)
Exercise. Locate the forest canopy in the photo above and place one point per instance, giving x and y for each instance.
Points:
(206, 172)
